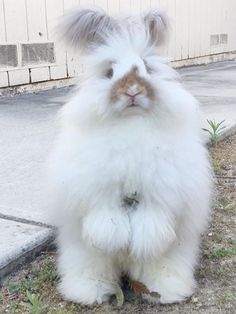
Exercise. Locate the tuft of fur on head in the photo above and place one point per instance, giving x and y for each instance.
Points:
(88, 28)
(157, 25)
(111, 49)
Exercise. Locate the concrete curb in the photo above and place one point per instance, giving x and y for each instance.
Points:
(27, 254)
(227, 133)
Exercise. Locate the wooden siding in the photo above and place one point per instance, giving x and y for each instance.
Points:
(193, 24)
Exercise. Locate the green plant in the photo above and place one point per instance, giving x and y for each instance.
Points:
(34, 304)
(223, 252)
(215, 130)
(225, 203)
(216, 167)
(63, 312)
(46, 274)
(226, 297)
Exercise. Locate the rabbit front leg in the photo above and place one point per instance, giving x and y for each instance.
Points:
(107, 227)
(171, 275)
(87, 276)
(152, 231)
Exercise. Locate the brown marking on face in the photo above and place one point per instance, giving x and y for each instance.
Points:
(121, 87)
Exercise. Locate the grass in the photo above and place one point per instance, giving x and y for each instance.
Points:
(221, 252)
(36, 279)
(216, 167)
(226, 204)
(29, 289)
(34, 304)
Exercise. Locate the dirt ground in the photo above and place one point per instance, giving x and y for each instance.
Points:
(32, 289)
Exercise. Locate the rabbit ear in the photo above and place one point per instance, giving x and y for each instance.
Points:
(86, 27)
(157, 26)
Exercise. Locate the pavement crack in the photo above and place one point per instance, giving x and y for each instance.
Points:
(26, 221)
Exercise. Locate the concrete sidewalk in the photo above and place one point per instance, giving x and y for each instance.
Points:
(27, 129)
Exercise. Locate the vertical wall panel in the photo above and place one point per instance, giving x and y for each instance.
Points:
(215, 26)
(125, 6)
(71, 59)
(135, 5)
(86, 2)
(193, 24)
(182, 28)
(113, 6)
(2, 23)
(222, 16)
(145, 5)
(54, 10)
(192, 27)
(16, 22)
(171, 44)
(206, 28)
(102, 3)
(37, 26)
(163, 4)
(198, 26)
(202, 31)
(155, 4)
(230, 22)
(69, 4)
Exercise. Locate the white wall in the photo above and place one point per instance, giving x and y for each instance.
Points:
(193, 24)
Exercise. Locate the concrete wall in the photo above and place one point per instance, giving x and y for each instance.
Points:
(201, 29)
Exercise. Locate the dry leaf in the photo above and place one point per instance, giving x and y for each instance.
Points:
(139, 289)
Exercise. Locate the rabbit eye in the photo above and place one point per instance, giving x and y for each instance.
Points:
(109, 73)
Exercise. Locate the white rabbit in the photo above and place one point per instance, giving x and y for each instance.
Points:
(130, 178)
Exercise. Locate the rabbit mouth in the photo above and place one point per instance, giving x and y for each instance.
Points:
(133, 104)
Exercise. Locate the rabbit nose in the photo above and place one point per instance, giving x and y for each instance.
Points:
(133, 90)
(132, 95)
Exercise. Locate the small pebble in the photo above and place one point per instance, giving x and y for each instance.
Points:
(225, 167)
(232, 186)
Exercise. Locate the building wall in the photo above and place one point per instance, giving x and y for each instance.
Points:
(29, 53)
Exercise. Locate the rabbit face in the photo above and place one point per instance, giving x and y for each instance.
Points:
(120, 57)
(122, 77)
(126, 85)
(133, 90)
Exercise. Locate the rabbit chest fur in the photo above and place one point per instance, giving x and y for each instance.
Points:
(104, 167)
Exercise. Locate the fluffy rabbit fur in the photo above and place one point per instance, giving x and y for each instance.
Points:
(130, 178)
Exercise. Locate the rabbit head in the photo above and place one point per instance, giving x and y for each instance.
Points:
(122, 66)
